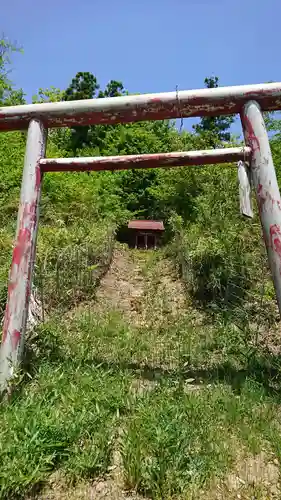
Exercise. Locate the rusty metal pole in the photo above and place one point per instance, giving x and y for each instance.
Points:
(174, 159)
(20, 280)
(134, 108)
(266, 187)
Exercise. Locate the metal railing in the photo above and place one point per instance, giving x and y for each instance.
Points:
(73, 276)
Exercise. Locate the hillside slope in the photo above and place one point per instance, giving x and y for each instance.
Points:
(165, 380)
(139, 394)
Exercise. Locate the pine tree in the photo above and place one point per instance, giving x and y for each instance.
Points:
(216, 128)
(113, 89)
(83, 86)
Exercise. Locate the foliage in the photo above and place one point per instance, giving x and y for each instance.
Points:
(114, 88)
(214, 128)
(176, 439)
(51, 94)
(214, 247)
(83, 86)
(186, 398)
(8, 95)
(83, 365)
(70, 265)
(12, 147)
(59, 422)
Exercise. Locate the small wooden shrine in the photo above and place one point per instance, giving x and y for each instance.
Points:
(146, 233)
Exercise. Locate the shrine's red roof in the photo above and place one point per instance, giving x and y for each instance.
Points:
(153, 225)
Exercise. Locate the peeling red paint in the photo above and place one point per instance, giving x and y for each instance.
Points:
(267, 190)
(275, 239)
(274, 92)
(38, 174)
(21, 246)
(20, 256)
(251, 138)
(176, 159)
(20, 279)
(265, 199)
(15, 338)
(202, 102)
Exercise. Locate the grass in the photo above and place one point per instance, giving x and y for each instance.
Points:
(207, 398)
(178, 439)
(66, 418)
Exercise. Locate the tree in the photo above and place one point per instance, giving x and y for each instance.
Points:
(8, 95)
(83, 86)
(97, 134)
(51, 94)
(215, 128)
(113, 89)
(60, 137)
(5, 49)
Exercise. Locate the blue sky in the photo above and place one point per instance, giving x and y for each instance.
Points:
(150, 45)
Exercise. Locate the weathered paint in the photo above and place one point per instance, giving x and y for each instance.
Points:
(266, 186)
(111, 110)
(244, 190)
(153, 225)
(176, 159)
(20, 280)
(248, 100)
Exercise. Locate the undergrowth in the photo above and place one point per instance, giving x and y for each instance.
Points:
(182, 430)
(178, 438)
(189, 384)
(66, 419)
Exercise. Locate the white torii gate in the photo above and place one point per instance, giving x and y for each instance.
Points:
(249, 101)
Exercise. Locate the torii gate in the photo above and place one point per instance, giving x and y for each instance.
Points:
(248, 100)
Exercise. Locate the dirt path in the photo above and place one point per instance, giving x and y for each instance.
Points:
(144, 286)
(122, 288)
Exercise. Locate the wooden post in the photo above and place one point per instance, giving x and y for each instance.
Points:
(266, 186)
(20, 280)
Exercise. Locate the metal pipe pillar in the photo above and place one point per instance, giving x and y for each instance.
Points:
(266, 187)
(20, 279)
